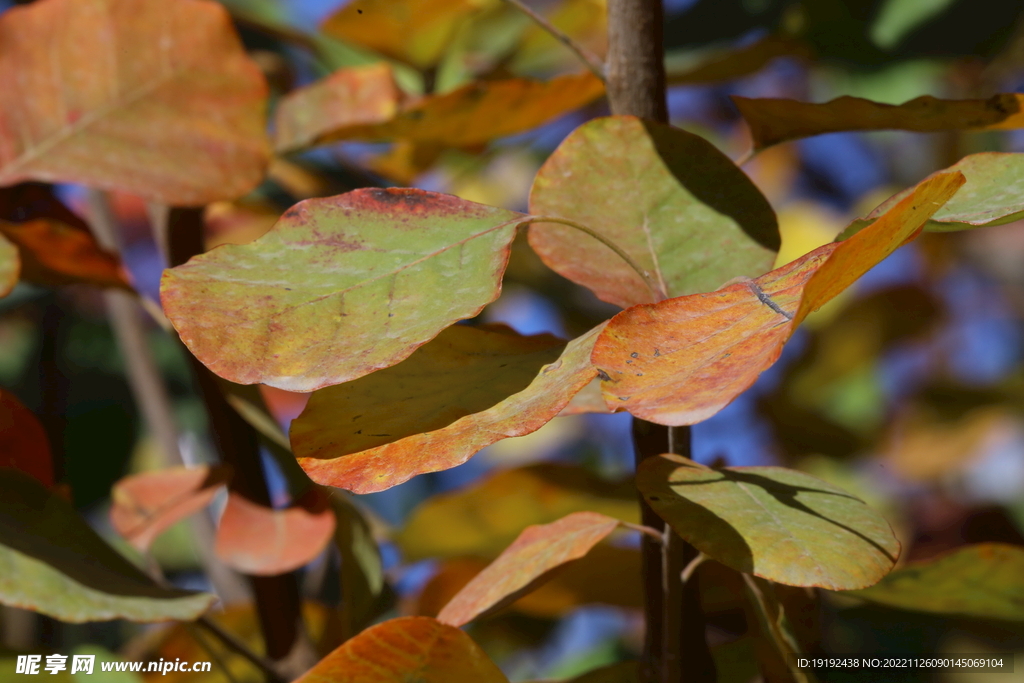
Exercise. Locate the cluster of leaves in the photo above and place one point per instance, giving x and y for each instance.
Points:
(358, 298)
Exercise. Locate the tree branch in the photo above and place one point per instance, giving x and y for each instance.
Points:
(592, 61)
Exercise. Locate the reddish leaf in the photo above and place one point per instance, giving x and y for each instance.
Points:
(54, 254)
(340, 287)
(471, 115)
(773, 121)
(360, 95)
(257, 540)
(416, 32)
(23, 442)
(676, 205)
(680, 361)
(145, 505)
(10, 266)
(154, 98)
(414, 649)
(463, 391)
(526, 563)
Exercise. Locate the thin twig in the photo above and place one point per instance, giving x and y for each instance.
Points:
(593, 62)
(198, 636)
(241, 648)
(650, 531)
(692, 566)
(656, 290)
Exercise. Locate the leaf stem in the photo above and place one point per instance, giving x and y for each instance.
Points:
(593, 62)
(241, 648)
(656, 290)
(650, 531)
(692, 567)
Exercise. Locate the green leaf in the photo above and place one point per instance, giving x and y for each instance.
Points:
(992, 195)
(775, 631)
(482, 520)
(340, 287)
(675, 204)
(461, 392)
(362, 573)
(981, 580)
(52, 562)
(776, 523)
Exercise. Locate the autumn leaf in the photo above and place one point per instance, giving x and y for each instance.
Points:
(23, 442)
(263, 541)
(526, 563)
(10, 266)
(992, 195)
(606, 576)
(584, 21)
(53, 563)
(350, 97)
(461, 392)
(145, 505)
(471, 115)
(773, 121)
(676, 205)
(779, 524)
(53, 254)
(340, 287)
(416, 32)
(153, 98)
(981, 581)
(480, 521)
(680, 361)
(417, 649)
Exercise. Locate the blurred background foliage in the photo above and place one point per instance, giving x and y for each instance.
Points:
(907, 391)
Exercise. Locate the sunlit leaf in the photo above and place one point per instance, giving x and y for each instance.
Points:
(471, 115)
(992, 195)
(607, 575)
(773, 121)
(262, 541)
(524, 564)
(585, 21)
(981, 580)
(484, 519)
(350, 97)
(728, 65)
(10, 266)
(680, 208)
(680, 361)
(340, 287)
(779, 524)
(416, 32)
(417, 649)
(52, 562)
(54, 254)
(145, 505)
(23, 442)
(461, 392)
(154, 98)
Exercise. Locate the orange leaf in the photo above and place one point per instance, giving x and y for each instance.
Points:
(680, 361)
(461, 392)
(23, 442)
(262, 541)
(471, 115)
(147, 504)
(527, 563)
(53, 253)
(153, 98)
(359, 95)
(417, 649)
(416, 32)
(773, 121)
